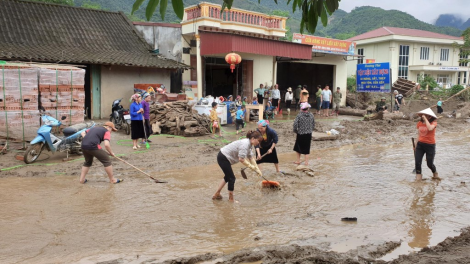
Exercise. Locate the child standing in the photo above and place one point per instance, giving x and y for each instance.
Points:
(239, 119)
(215, 119)
(439, 106)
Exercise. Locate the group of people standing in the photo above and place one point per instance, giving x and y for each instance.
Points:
(324, 98)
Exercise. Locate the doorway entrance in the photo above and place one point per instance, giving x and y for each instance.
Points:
(219, 79)
(292, 74)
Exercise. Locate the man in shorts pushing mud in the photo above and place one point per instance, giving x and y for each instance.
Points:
(91, 148)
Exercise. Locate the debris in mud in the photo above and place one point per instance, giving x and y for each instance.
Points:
(178, 118)
(349, 219)
(306, 170)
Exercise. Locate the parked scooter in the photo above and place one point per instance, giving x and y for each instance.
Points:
(70, 142)
(120, 117)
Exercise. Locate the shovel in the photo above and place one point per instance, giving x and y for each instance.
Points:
(266, 182)
(156, 180)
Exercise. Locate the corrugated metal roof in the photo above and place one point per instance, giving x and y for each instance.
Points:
(216, 43)
(388, 31)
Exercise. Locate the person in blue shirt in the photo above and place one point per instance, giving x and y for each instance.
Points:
(137, 124)
(239, 118)
(439, 106)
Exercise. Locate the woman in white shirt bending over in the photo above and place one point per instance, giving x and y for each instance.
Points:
(237, 151)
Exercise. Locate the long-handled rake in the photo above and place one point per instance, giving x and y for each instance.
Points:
(155, 179)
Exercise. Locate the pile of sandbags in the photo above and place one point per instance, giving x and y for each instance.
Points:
(177, 118)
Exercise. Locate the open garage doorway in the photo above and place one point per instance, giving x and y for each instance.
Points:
(292, 74)
(220, 80)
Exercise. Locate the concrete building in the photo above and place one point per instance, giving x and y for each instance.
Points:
(412, 53)
(209, 35)
(106, 44)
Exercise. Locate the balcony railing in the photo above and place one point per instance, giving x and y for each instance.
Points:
(235, 15)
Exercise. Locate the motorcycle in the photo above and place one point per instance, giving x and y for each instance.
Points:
(120, 117)
(70, 142)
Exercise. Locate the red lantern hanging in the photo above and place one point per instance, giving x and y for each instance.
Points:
(233, 59)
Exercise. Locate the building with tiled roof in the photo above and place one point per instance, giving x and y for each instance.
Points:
(412, 53)
(106, 43)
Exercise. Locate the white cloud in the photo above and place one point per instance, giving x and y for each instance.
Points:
(424, 10)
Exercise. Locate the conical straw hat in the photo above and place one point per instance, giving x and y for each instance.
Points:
(428, 112)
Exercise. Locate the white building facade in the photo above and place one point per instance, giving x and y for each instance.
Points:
(413, 53)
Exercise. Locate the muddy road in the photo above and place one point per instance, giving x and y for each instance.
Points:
(47, 217)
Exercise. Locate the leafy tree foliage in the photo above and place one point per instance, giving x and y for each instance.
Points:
(351, 83)
(427, 81)
(465, 47)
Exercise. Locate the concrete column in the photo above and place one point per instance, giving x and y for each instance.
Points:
(275, 71)
(199, 67)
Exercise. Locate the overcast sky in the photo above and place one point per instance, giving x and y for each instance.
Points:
(424, 10)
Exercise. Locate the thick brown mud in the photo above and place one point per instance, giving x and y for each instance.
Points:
(47, 217)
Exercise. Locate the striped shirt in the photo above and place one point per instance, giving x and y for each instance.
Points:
(238, 149)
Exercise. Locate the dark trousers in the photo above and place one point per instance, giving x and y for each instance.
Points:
(439, 110)
(239, 122)
(148, 128)
(318, 102)
(288, 103)
(226, 167)
(430, 151)
(297, 103)
(260, 99)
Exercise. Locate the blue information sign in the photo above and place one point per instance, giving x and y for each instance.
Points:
(373, 77)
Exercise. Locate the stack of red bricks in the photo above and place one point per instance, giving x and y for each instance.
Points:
(62, 92)
(18, 101)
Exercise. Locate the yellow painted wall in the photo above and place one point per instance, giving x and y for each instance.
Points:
(118, 82)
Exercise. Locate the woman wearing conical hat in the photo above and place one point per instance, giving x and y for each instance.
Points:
(426, 143)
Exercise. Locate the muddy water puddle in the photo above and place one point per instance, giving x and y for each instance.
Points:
(56, 220)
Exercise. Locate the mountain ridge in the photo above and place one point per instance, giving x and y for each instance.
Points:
(341, 25)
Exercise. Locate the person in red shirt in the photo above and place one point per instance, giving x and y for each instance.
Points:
(91, 148)
(426, 143)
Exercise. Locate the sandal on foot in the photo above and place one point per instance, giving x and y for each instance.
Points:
(134, 148)
(218, 197)
(86, 180)
(119, 180)
(138, 146)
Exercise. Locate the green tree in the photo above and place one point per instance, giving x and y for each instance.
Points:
(91, 5)
(465, 47)
(60, 2)
(427, 81)
(351, 83)
(312, 10)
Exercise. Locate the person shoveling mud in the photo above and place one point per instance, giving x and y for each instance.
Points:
(237, 151)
